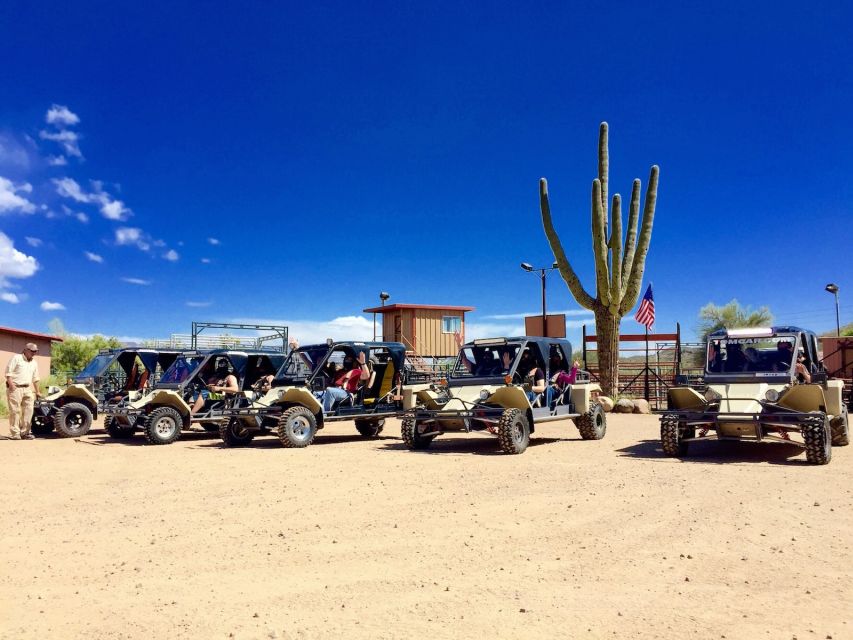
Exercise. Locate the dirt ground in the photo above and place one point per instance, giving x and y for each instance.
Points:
(354, 538)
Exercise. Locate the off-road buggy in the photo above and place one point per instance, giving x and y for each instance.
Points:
(488, 391)
(166, 410)
(757, 391)
(293, 408)
(110, 377)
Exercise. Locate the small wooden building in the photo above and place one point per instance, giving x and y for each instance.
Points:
(12, 341)
(426, 329)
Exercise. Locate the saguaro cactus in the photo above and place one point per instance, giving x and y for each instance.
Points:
(619, 265)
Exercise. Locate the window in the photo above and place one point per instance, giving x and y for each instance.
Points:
(451, 324)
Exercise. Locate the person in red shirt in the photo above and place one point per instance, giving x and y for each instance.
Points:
(345, 381)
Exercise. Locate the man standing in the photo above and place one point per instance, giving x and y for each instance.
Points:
(22, 378)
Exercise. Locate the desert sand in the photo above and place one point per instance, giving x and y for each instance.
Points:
(354, 538)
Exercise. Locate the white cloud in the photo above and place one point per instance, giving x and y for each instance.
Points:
(9, 297)
(52, 306)
(317, 331)
(110, 208)
(521, 316)
(213, 241)
(199, 304)
(94, 257)
(205, 260)
(33, 242)
(114, 209)
(477, 330)
(133, 236)
(13, 153)
(171, 255)
(68, 140)
(61, 116)
(14, 263)
(57, 161)
(138, 281)
(82, 217)
(10, 198)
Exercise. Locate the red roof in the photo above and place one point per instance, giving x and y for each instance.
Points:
(30, 334)
(394, 307)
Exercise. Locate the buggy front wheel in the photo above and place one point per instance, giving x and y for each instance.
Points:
(513, 431)
(412, 437)
(370, 428)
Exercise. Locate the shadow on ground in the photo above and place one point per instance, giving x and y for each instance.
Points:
(475, 445)
(723, 452)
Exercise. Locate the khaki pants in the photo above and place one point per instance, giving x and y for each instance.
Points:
(21, 401)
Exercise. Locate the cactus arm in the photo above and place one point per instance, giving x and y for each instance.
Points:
(616, 253)
(603, 165)
(566, 270)
(637, 269)
(631, 238)
(599, 245)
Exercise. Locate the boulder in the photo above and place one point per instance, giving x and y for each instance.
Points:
(624, 406)
(642, 406)
(606, 403)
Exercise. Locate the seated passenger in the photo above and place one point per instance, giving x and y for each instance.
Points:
(220, 382)
(784, 354)
(753, 360)
(344, 382)
(735, 360)
(803, 370)
(562, 381)
(264, 383)
(532, 374)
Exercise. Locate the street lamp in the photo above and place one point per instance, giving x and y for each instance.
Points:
(542, 271)
(833, 289)
(383, 296)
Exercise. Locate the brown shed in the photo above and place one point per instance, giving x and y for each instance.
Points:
(426, 329)
(12, 341)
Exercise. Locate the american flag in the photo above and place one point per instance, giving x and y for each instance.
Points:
(646, 311)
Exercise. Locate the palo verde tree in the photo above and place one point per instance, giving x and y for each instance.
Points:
(730, 316)
(619, 262)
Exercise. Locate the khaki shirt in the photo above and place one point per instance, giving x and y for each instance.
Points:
(22, 372)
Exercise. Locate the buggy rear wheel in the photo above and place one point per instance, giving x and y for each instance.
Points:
(163, 426)
(840, 427)
(513, 431)
(672, 434)
(41, 425)
(412, 437)
(72, 420)
(116, 430)
(297, 427)
(592, 425)
(233, 433)
(818, 439)
(370, 428)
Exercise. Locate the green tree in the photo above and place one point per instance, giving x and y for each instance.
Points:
(75, 352)
(619, 262)
(730, 316)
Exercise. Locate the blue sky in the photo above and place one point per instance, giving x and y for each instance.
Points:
(162, 163)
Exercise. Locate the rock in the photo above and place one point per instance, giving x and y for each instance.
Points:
(624, 406)
(606, 403)
(642, 406)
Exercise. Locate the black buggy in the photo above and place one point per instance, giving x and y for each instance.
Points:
(489, 391)
(293, 408)
(111, 377)
(166, 410)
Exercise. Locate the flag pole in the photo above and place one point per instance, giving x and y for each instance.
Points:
(647, 364)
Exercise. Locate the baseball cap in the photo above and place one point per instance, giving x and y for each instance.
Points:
(31, 346)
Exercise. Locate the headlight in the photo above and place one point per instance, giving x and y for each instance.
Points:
(712, 396)
(771, 395)
(484, 394)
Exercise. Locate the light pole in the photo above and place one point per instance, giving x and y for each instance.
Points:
(833, 289)
(542, 271)
(383, 296)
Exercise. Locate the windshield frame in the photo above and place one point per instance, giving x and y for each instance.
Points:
(744, 339)
(457, 375)
(184, 357)
(98, 365)
(283, 379)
